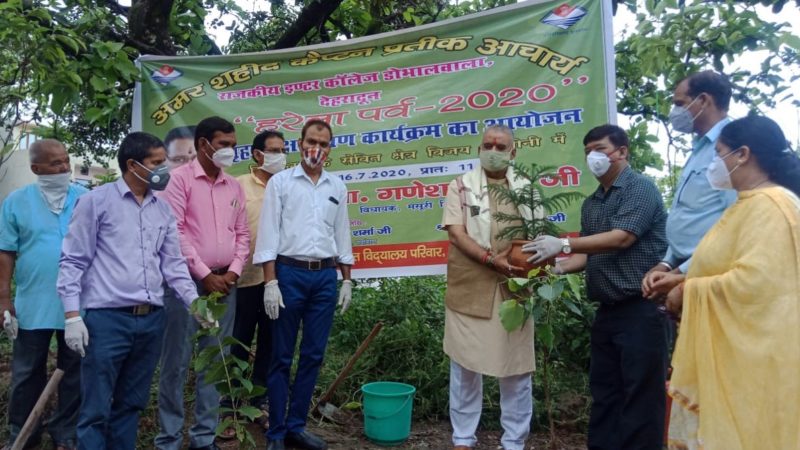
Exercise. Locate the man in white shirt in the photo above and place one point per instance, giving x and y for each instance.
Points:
(303, 235)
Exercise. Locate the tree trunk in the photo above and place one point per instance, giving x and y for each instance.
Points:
(148, 24)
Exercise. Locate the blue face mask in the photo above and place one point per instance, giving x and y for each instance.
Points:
(158, 178)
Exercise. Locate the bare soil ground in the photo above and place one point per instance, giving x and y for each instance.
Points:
(424, 436)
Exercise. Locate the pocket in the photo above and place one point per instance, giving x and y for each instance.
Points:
(154, 236)
(329, 213)
(696, 193)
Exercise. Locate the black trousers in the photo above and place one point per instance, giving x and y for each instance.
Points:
(627, 377)
(249, 316)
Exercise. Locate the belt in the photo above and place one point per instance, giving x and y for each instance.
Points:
(220, 271)
(138, 310)
(315, 264)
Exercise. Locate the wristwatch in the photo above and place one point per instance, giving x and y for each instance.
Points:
(565, 248)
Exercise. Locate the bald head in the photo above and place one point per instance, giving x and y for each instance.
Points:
(48, 157)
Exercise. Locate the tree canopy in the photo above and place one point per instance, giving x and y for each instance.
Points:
(70, 63)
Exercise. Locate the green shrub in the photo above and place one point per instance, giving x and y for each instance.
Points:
(409, 349)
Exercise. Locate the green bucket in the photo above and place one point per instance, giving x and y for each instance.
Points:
(387, 411)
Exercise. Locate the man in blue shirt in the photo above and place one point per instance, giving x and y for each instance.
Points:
(33, 222)
(700, 106)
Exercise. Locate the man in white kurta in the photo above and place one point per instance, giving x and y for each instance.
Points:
(477, 268)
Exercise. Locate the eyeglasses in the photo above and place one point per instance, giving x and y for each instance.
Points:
(487, 146)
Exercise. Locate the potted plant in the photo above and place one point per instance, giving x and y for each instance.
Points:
(533, 198)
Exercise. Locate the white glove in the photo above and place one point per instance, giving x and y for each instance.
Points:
(76, 335)
(345, 294)
(10, 324)
(543, 248)
(273, 300)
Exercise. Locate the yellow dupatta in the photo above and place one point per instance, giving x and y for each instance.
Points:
(736, 365)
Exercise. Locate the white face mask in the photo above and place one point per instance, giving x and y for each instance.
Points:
(681, 119)
(717, 174)
(223, 157)
(598, 163)
(493, 160)
(273, 162)
(54, 190)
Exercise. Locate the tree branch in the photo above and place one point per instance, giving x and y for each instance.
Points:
(310, 17)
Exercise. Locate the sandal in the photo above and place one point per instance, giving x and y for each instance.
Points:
(263, 419)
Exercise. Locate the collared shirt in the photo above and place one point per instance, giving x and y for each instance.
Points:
(211, 217)
(29, 228)
(304, 220)
(696, 205)
(254, 196)
(633, 204)
(119, 253)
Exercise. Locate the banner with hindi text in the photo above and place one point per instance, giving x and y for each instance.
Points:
(407, 110)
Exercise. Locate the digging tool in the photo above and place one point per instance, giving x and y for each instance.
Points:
(36, 412)
(324, 408)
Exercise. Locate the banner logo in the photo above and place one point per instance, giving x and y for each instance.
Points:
(564, 16)
(165, 74)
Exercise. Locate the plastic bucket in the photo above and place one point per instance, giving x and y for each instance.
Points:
(387, 411)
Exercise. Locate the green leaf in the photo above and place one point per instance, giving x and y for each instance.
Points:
(545, 334)
(533, 273)
(791, 40)
(93, 114)
(574, 282)
(517, 284)
(98, 83)
(547, 292)
(69, 42)
(251, 412)
(512, 315)
(58, 101)
(350, 406)
(572, 306)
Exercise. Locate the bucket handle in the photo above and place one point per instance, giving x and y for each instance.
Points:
(408, 397)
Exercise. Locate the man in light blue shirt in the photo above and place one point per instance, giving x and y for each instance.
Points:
(33, 222)
(700, 106)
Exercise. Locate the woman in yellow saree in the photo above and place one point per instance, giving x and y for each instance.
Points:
(736, 366)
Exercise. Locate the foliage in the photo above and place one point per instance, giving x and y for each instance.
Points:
(550, 300)
(229, 374)
(673, 39)
(531, 197)
(409, 349)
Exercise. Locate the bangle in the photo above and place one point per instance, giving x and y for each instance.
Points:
(485, 258)
(490, 262)
(666, 264)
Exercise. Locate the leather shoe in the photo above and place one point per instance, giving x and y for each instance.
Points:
(213, 446)
(306, 440)
(276, 445)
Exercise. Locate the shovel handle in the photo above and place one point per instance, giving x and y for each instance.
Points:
(38, 409)
(350, 363)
